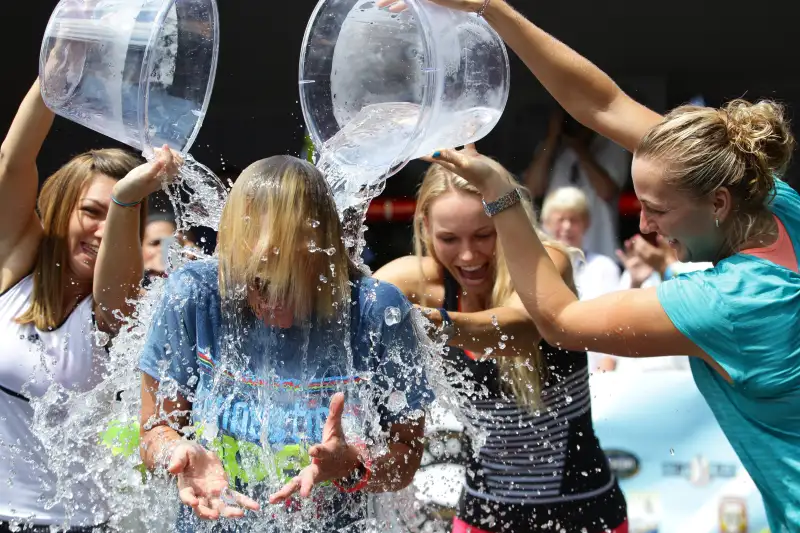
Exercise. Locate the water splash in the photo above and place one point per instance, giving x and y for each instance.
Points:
(92, 436)
(197, 196)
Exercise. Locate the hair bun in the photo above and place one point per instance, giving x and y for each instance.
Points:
(763, 138)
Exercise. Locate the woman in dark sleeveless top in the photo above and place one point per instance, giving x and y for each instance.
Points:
(541, 466)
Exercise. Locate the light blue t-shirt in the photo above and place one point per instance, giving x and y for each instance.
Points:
(253, 386)
(745, 314)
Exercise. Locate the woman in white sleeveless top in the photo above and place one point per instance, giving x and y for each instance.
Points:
(65, 270)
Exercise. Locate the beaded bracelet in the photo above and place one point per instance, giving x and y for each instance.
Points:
(485, 5)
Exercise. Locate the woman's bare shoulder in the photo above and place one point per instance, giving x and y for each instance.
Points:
(410, 273)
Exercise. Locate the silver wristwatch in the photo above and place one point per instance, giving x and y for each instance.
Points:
(509, 199)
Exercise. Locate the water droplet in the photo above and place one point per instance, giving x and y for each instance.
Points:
(494, 321)
(503, 337)
(397, 401)
(323, 279)
(488, 351)
(436, 448)
(276, 250)
(313, 223)
(501, 345)
(101, 338)
(568, 399)
(392, 316)
(672, 451)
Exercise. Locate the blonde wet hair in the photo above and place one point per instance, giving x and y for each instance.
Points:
(743, 147)
(522, 374)
(57, 201)
(280, 234)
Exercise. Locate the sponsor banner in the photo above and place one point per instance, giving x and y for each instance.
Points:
(676, 467)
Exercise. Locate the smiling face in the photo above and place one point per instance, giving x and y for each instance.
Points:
(463, 239)
(567, 226)
(86, 226)
(688, 224)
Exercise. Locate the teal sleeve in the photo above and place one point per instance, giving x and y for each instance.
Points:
(698, 311)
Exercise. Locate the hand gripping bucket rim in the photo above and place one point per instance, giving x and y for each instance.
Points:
(432, 90)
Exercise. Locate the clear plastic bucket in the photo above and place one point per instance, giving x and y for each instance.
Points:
(138, 71)
(379, 89)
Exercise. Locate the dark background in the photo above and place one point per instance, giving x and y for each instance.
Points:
(662, 53)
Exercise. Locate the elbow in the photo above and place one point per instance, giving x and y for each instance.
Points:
(555, 333)
(552, 335)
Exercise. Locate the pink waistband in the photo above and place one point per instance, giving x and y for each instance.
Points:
(459, 526)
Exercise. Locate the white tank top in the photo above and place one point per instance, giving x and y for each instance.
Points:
(27, 355)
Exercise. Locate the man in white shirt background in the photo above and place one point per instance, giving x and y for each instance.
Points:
(574, 156)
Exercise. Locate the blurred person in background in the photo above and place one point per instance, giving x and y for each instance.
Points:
(573, 155)
(159, 233)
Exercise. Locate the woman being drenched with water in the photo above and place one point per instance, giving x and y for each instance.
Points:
(248, 356)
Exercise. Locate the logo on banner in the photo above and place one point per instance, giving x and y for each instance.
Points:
(644, 512)
(699, 471)
(733, 515)
(624, 464)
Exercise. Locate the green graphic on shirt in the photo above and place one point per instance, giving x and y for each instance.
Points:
(241, 460)
(245, 461)
(121, 438)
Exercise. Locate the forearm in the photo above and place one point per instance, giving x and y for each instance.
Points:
(537, 280)
(156, 445)
(580, 87)
(27, 133)
(599, 179)
(395, 469)
(119, 268)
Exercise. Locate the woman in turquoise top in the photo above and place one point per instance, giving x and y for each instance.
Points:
(708, 183)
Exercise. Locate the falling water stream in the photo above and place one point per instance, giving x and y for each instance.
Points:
(91, 436)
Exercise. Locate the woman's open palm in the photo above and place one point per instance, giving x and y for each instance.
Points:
(203, 484)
